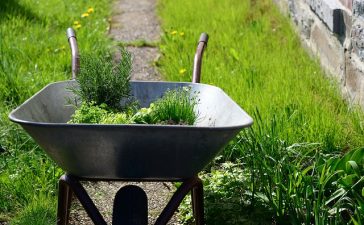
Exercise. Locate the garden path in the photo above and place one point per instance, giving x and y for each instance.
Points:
(132, 21)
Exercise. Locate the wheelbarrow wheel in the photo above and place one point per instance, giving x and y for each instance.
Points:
(130, 206)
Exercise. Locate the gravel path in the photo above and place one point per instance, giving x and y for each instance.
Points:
(133, 20)
(136, 20)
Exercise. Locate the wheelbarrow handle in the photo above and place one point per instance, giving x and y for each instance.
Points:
(71, 35)
(202, 44)
(196, 76)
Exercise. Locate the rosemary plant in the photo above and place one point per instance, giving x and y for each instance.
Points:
(103, 82)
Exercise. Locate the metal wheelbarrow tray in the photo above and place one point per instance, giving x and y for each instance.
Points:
(131, 151)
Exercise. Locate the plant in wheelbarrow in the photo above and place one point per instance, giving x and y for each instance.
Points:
(104, 90)
(101, 86)
(101, 81)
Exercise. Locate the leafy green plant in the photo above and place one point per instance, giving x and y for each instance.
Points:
(99, 114)
(226, 199)
(175, 107)
(102, 82)
(300, 182)
(89, 113)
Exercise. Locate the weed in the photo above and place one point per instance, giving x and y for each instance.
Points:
(139, 43)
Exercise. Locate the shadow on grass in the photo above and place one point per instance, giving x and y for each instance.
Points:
(226, 212)
(12, 8)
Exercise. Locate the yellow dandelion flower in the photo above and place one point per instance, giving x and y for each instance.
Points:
(84, 15)
(78, 26)
(182, 71)
(90, 10)
(181, 34)
(76, 22)
(174, 32)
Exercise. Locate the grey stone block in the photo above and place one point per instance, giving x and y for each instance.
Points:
(354, 80)
(331, 13)
(358, 8)
(329, 50)
(357, 38)
(348, 4)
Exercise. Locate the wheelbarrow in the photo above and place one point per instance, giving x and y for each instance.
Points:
(131, 152)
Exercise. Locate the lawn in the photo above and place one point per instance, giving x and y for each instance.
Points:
(290, 167)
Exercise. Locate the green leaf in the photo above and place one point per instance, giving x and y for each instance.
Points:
(338, 193)
(234, 54)
(348, 180)
(354, 221)
(358, 156)
(353, 165)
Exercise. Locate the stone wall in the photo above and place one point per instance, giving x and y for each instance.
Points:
(333, 31)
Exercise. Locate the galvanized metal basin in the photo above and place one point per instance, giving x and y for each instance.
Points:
(140, 152)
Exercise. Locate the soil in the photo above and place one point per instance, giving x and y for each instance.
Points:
(132, 21)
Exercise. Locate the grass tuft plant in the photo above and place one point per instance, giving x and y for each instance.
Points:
(177, 106)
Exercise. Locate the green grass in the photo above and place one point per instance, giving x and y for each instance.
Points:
(34, 52)
(254, 55)
(294, 152)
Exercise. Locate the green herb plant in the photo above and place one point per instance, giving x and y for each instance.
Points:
(177, 106)
(100, 114)
(102, 82)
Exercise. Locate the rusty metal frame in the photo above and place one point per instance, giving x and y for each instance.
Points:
(69, 185)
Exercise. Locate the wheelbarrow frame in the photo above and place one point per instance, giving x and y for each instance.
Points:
(69, 184)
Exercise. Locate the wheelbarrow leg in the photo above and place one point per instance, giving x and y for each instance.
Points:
(64, 202)
(75, 186)
(178, 197)
(197, 202)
